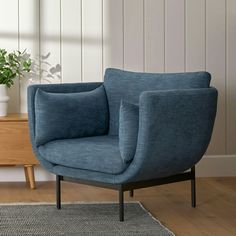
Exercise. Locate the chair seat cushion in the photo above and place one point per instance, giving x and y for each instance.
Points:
(98, 153)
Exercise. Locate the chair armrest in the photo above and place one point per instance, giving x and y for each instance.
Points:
(175, 128)
(53, 88)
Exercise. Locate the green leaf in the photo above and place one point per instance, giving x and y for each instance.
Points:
(13, 65)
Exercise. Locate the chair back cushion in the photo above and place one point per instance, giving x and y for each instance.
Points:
(128, 130)
(125, 85)
(70, 115)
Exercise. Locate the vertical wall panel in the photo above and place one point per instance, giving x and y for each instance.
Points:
(231, 77)
(195, 35)
(154, 35)
(71, 40)
(50, 41)
(113, 34)
(215, 64)
(133, 35)
(9, 41)
(92, 52)
(29, 40)
(174, 35)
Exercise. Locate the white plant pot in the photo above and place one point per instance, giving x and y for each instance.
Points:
(3, 100)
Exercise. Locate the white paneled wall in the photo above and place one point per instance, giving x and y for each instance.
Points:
(71, 38)
(50, 38)
(113, 34)
(230, 77)
(174, 35)
(216, 64)
(9, 39)
(195, 35)
(134, 35)
(92, 40)
(154, 36)
(28, 39)
(78, 39)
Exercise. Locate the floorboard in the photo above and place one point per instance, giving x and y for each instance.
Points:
(215, 214)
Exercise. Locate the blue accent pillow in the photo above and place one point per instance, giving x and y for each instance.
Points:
(77, 114)
(128, 130)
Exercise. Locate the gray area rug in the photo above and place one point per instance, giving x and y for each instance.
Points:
(100, 219)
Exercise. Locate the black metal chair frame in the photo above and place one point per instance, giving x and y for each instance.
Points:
(190, 175)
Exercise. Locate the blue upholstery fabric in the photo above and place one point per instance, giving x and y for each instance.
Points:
(51, 88)
(70, 115)
(99, 153)
(175, 128)
(128, 130)
(84, 174)
(175, 125)
(127, 86)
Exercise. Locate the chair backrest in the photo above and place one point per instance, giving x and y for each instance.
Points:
(125, 85)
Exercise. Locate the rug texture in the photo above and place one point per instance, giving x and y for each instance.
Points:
(78, 219)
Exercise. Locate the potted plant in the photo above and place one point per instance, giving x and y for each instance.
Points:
(12, 66)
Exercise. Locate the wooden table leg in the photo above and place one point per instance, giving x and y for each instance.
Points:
(29, 175)
(26, 175)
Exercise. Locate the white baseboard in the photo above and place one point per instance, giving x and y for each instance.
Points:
(209, 166)
(16, 174)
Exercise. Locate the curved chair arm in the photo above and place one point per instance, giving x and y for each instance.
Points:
(53, 88)
(175, 128)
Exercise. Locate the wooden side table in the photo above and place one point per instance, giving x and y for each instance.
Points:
(15, 146)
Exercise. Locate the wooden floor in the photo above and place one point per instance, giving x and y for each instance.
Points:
(214, 215)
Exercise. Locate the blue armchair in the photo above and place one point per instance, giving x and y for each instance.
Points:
(134, 130)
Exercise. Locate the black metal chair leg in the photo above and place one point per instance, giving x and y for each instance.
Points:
(121, 204)
(58, 191)
(193, 187)
(131, 193)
